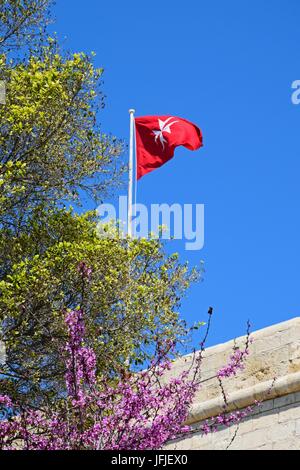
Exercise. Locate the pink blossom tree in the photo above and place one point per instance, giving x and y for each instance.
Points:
(139, 411)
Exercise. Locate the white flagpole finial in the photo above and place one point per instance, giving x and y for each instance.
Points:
(130, 173)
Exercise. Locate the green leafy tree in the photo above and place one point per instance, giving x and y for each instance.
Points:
(132, 298)
(22, 21)
(50, 144)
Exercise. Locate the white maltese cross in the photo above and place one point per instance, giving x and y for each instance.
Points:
(164, 126)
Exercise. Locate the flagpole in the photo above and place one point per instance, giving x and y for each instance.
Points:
(130, 173)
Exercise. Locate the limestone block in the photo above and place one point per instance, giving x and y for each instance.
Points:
(246, 426)
(287, 444)
(264, 420)
(289, 413)
(255, 439)
(281, 431)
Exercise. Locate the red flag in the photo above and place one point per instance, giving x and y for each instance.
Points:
(158, 136)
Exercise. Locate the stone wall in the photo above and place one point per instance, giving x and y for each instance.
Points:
(274, 353)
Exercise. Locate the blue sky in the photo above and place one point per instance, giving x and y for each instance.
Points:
(227, 66)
